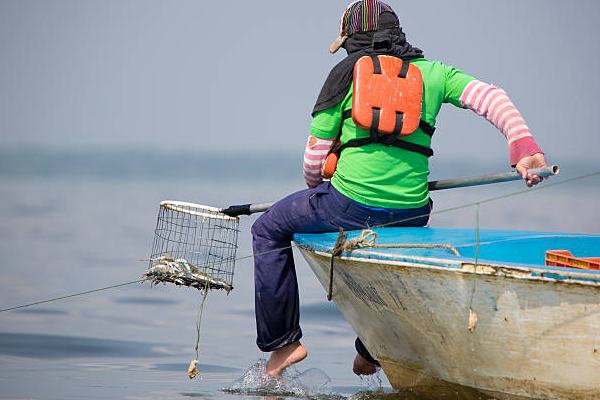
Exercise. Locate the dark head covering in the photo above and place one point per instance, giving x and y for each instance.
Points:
(359, 16)
(387, 39)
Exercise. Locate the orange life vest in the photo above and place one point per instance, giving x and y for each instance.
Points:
(387, 96)
(387, 99)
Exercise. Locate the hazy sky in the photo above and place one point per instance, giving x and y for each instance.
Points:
(243, 76)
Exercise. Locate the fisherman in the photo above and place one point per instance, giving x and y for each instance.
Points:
(380, 177)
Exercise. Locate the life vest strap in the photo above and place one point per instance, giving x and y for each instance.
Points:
(376, 116)
(377, 67)
(387, 140)
(376, 64)
(404, 70)
(425, 127)
(329, 167)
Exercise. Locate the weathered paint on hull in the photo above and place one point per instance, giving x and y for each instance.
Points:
(533, 338)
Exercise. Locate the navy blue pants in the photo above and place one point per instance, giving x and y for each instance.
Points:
(322, 209)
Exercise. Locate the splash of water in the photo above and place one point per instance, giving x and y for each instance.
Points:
(372, 387)
(372, 382)
(310, 384)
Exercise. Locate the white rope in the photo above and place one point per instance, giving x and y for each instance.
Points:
(368, 238)
(118, 285)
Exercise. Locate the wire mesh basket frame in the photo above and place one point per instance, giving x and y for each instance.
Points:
(180, 206)
(199, 237)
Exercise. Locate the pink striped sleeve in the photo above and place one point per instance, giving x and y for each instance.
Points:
(493, 104)
(314, 155)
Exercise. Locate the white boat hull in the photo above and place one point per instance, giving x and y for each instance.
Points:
(534, 337)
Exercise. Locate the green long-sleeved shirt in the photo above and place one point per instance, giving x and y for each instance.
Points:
(385, 176)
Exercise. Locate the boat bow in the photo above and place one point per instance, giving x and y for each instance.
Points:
(438, 305)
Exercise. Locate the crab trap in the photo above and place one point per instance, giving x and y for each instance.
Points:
(194, 246)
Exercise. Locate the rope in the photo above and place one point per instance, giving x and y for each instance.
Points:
(368, 238)
(199, 318)
(291, 246)
(418, 246)
(477, 237)
(338, 248)
(472, 324)
(193, 368)
(72, 295)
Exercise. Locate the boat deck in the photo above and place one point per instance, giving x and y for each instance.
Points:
(496, 247)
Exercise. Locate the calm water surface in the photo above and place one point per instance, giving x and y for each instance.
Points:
(63, 233)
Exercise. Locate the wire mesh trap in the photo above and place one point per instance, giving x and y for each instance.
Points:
(193, 246)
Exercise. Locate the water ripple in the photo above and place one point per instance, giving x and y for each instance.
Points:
(53, 347)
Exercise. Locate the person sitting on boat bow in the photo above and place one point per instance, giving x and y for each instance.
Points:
(380, 177)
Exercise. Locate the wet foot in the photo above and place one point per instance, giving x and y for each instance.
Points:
(282, 358)
(362, 367)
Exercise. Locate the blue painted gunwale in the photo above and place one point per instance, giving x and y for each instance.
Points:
(497, 247)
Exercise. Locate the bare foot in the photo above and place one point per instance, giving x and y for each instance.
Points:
(284, 357)
(362, 367)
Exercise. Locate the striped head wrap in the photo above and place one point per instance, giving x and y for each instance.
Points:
(360, 16)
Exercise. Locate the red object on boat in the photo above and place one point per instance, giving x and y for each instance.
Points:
(564, 258)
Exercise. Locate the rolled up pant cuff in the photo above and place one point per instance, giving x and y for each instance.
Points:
(291, 337)
(362, 350)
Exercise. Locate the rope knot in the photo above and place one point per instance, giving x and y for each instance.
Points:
(342, 244)
(367, 238)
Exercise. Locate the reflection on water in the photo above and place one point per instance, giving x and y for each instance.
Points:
(315, 312)
(322, 311)
(40, 311)
(429, 393)
(146, 301)
(204, 368)
(56, 347)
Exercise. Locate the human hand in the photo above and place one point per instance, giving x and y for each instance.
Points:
(535, 161)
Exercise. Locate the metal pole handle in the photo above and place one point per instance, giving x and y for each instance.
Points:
(246, 209)
(544, 172)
